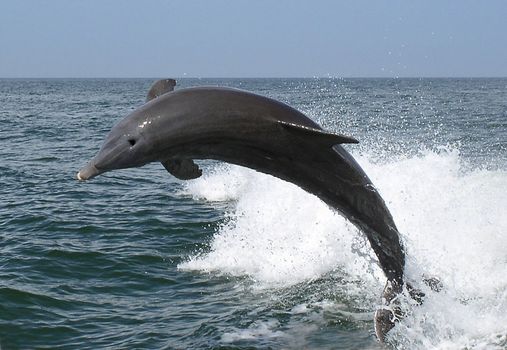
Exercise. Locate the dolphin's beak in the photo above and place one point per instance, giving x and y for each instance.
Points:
(88, 172)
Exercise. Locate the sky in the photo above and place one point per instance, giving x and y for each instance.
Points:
(239, 38)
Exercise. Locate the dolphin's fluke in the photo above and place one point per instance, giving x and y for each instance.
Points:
(386, 317)
(160, 87)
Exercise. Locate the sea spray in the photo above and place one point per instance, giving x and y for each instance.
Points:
(277, 233)
(452, 219)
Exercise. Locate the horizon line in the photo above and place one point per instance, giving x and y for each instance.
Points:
(265, 77)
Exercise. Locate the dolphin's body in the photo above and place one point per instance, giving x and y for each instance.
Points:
(257, 132)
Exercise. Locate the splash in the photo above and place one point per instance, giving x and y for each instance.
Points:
(277, 234)
(453, 223)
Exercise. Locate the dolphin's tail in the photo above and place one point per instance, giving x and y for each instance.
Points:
(391, 312)
(386, 317)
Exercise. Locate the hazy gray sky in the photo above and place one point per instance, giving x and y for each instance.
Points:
(237, 38)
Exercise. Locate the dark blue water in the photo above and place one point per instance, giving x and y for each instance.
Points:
(238, 259)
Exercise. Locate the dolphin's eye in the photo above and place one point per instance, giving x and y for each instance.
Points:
(132, 142)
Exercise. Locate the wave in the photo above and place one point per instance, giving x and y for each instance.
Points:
(453, 223)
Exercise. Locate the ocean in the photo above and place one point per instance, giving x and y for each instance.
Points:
(136, 259)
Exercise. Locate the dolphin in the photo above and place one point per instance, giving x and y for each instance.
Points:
(239, 127)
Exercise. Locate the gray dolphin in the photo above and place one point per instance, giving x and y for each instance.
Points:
(239, 127)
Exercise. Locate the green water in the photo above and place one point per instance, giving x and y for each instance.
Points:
(237, 259)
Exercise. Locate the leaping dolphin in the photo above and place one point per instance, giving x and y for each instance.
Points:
(239, 127)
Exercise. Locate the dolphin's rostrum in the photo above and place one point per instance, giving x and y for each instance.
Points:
(239, 127)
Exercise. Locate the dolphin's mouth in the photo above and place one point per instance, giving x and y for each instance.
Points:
(88, 172)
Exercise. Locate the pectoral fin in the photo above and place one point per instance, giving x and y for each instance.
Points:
(316, 135)
(183, 169)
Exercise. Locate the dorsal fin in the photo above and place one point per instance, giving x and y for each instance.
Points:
(321, 136)
(160, 87)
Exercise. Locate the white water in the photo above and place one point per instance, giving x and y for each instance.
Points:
(454, 225)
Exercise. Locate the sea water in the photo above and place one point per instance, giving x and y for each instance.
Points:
(237, 259)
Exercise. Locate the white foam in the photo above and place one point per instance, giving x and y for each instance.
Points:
(453, 223)
(223, 183)
(264, 330)
(277, 233)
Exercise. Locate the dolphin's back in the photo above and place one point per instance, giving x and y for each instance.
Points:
(227, 104)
